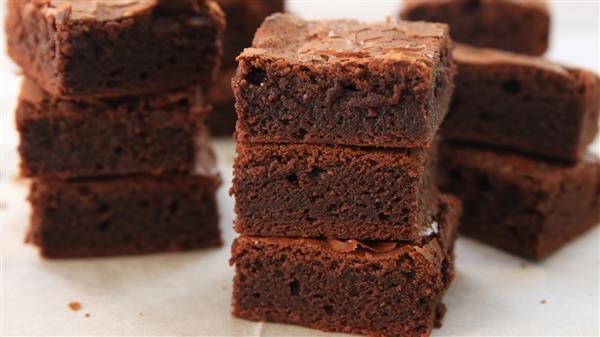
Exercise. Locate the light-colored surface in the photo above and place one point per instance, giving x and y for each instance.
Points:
(189, 294)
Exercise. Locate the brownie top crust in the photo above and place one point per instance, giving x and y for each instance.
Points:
(98, 10)
(463, 54)
(284, 36)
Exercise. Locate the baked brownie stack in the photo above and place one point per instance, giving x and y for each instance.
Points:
(243, 18)
(111, 122)
(341, 226)
(517, 130)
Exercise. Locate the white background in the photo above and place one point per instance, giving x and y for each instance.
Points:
(189, 293)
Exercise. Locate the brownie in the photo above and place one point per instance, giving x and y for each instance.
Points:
(84, 49)
(304, 190)
(344, 82)
(125, 215)
(373, 288)
(150, 134)
(522, 205)
(517, 26)
(523, 103)
(221, 121)
(243, 18)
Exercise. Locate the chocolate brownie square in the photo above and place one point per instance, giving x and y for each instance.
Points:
(304, 190)
(526, 206)
(243, 18)
(372, 288)
(150, 134)
(84, 49)
(523, 103)
(344, 82)
(517, 26)
(125, 215)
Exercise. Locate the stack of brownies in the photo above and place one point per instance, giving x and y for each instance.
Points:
(341, 226)
(243, 18)
(110, 116)
(517, 130)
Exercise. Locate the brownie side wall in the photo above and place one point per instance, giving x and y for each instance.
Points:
(518, 209)
(320, 191)
(523, 109)
(150, 52)
(66, 139)
(89, 218)
(389, 294)
(494, 24)
(378, 104)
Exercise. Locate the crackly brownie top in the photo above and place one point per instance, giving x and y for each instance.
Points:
(103, 10)
(284, 36)
(464, 54)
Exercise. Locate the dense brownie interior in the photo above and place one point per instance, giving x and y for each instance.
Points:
(526, 206)
(518, 26)
(343, 82)
(523, 103)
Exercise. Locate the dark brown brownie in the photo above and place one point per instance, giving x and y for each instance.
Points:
(83, 49)
(523, 103)
(221, 121)
(517, 26)
(523, 205)
(373, 288)
(146, 134)
(128, 215)
(243, 18)
(302, 190)
(344, 82)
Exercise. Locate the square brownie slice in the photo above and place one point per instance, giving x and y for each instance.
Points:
(84, 49)
(517, 26)
(151, 134)
(303, 190)
(523, 103)
(352, 286)
(526, 206)
(344, 82)
(125, 215)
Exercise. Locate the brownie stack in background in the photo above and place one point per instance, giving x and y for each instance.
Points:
(110, 117)
(243, 18)
(341, 227)
(517, 131)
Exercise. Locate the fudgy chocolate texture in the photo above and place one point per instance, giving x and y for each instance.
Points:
(372, 288)
(525, 206)
(517, 26)
(344, 82)
(523, 103)
(128, 135)
(83, 49)
(221, 121)
(243, 18)
(129, 215)
(302, 190)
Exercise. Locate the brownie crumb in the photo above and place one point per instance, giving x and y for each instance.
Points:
(87, 315)
(75, 306)
(543, 301)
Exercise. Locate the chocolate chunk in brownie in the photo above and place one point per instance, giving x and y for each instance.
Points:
(372, 288)
(303, 190)
(243, 18)
(344, 82)
(523, 205)
(523, 103)
(150, 134)
(83, 49)
(126, 215)
(517, 26)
